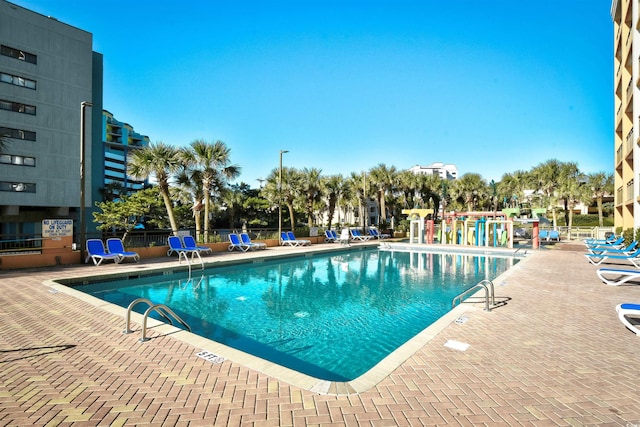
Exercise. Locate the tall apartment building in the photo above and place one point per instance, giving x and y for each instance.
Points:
(47, 70)
(447, 171)
(627, 110)
(119, 140)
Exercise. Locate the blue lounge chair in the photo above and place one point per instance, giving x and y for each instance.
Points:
(115, 246)
(616, 276)
(190, 243)
(626, 250)
(374, 233)
(97, 253)
(554, 235)
(244, 237)
(617, 243)
(633, 258)
(301, 242)
(629, 310)
(175, 246)
(609, 240)
(356, 235)
(235, 243)
(330, 236)
(543, 235)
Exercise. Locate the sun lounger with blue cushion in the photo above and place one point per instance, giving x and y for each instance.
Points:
(626, 311)
(626, 250)
(97, 253)
(236, 243)
(633, 258)
(330, 236)
(176, 246)
(115, 246)
(618, 276)
(356, 235)
(190, 243)
(618, 242)
(374, 233)
(244, 237)
(300, 242)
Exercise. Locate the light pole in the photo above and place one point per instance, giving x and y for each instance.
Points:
(443, 221)
(280, 196)
(83, 226)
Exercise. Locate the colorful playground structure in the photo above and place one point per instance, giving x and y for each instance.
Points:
(489, 229)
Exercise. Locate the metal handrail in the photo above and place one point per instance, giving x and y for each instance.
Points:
(488, 294)
(164, 311)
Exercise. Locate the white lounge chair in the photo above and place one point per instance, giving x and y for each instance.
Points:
(235, 243)
(175, 245)
(617, 276)
(356, 235)
(244, 237)
(330, 236)
(629, 310)
(622, 251)
(597, 259)
(300, 242)
(116, 247)
(97, 253)
(189, 243)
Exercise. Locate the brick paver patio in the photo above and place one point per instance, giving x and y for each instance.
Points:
(553, 354)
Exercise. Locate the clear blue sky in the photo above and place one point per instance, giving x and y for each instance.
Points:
(491, 86)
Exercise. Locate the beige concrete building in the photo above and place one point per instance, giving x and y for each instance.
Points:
(627, 110)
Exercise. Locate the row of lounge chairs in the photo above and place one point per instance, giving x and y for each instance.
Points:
(243, 243)
(352, 234)
(288, 238)
(613, 249)
(114, 251)
(186, 245)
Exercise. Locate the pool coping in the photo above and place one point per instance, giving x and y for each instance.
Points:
(361, 384)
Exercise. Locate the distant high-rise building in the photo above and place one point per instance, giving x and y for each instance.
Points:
(119, 140)
(445, 171)
(50, 77)
(626, 84)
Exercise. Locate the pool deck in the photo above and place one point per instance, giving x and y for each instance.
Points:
(553, 353)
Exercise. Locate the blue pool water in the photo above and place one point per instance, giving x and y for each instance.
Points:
(331, 316)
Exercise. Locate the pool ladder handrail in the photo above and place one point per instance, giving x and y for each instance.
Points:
(164, 311)
(489, 294)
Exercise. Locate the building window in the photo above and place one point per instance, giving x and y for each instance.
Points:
(27, 135)
(17, 187)
(18, 54)
(17, 81)
(17, 107)
(11, 159)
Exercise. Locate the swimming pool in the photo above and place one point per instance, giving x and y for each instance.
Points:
(331, 316)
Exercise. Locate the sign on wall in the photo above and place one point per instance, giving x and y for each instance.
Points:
(57, 227)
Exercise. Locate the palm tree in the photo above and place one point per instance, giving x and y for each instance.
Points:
(310, 191)
(471, 188)
(601, 183)
(191, 191)
(160, 160)
(334, 186)
(212, 159)
(429, 188)
(546, 178)
(575, 191)
(383, 179)
(512, 186)
(288, 193)
(408, 185)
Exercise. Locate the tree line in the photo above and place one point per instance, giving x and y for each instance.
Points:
(195, 186)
